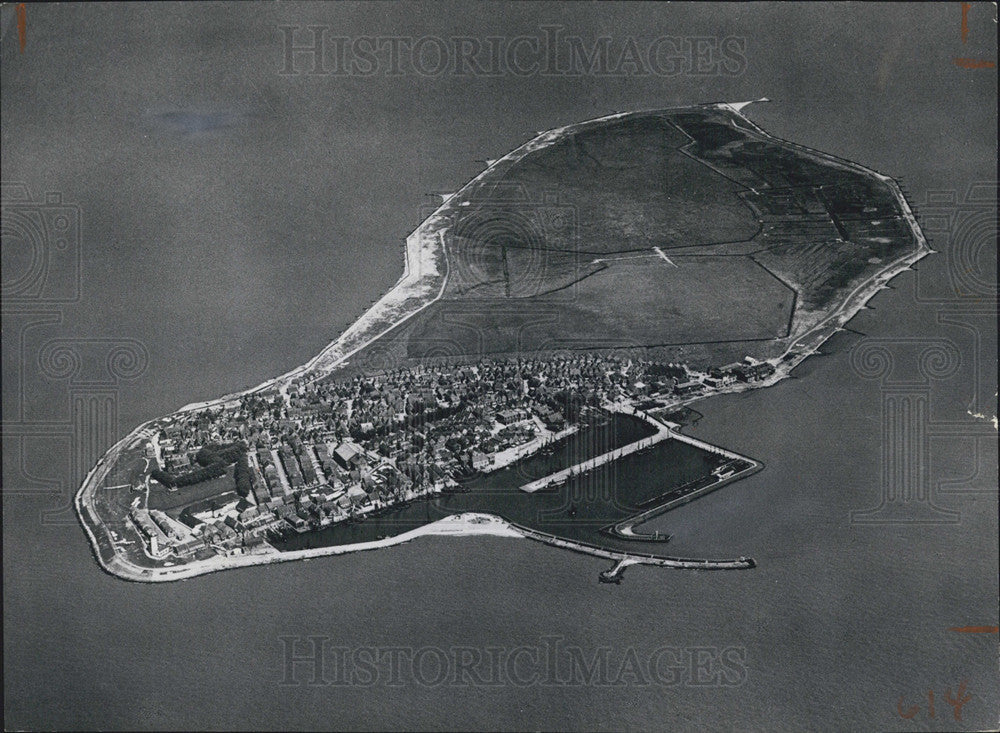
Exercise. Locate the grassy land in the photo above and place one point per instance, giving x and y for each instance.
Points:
(631, 302)
(760, 238)
(174, 501)
(621, 187)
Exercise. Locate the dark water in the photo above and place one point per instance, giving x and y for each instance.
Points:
(579, 509)
(234, 219)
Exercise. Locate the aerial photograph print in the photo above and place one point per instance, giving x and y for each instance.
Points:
(500, 366)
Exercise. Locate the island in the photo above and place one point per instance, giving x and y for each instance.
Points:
(531, 372)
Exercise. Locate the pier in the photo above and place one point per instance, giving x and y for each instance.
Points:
(676, 497)
(663, 431)
(615, 574)
(633, 558)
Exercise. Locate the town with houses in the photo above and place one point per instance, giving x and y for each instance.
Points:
(307, 455)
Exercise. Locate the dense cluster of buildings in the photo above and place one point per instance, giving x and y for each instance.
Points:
(330, 451)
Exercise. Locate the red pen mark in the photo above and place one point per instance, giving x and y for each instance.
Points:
(22, 25)
(970, 63)
(957, 702)
(976, 629)
(974, 64)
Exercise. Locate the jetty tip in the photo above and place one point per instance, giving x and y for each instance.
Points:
(737, 106)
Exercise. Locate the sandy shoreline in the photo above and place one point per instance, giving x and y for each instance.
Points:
(460, 525)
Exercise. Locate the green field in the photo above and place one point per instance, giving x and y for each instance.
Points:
(630, 302)
(686, 230)
(173, 501)
(622, 187)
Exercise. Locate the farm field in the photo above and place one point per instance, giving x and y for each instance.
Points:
(640, 301)
(173, 501)
(685, 233)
